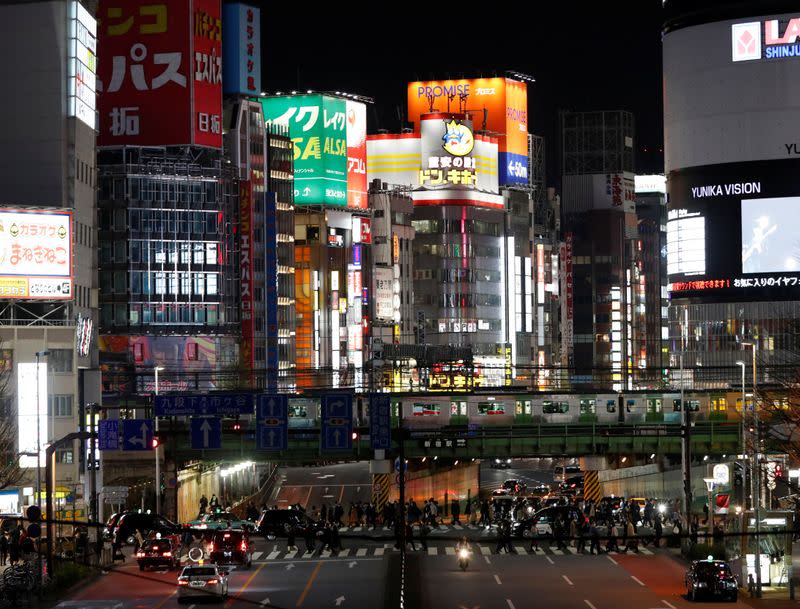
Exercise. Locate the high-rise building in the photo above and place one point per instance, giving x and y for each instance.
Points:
(730, 94)
(48, 236)
(604, 305)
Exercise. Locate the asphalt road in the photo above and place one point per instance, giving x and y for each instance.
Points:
(313, 486)
(531, 471)
(557, 582)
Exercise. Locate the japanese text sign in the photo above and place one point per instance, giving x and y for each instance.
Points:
(241, 49)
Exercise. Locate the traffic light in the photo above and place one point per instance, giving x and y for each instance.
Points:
(156, 442)
(355, 436)
(778, 470)
(34, 515)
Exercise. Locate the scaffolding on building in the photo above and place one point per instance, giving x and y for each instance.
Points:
(596, 142)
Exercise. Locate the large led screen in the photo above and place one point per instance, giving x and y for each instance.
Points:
(732, 232)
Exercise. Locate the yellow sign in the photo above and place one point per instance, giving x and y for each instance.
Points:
(458, 139)
(12, 287)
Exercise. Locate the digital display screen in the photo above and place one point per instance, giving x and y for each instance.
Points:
(732, 232)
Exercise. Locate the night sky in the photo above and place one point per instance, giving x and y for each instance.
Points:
(588, 57)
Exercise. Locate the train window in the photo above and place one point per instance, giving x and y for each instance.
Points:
(629, 405)
(523, 407)
(719, 404)
(396, 409)
(458, 407)
(491, 408)
(749, 404)
(694, 405)
(555, 407)
(300, 408)
(588, 406)
(653, 405)
(611, 405)
(298, 411)
(425, 410)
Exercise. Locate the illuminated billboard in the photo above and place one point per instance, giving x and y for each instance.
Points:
(81, 85)
(35, 254)
(162, 73)
(502, 101)
(731, 232)
(329, 161)
(241, 49)
(29, 415)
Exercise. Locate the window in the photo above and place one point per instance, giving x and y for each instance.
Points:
(425, 410)
(59, 406)
(549, 407)
(719, 405)
(523, 407)
(59, 360)
(486, 408)
(458, 408)
(588, 406)
(64, 456)
(611, 406)
(653, 405)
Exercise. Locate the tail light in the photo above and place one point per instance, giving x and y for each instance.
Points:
(212, 582)
(140, 555)
(244, 546)
(183, 582)
(167, 554)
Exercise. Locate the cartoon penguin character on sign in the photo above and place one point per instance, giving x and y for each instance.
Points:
(457, 139)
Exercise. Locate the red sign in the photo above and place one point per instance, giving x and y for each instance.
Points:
(356, 154)
(246, 282)
(366, 231)
(161, 74)
(568, 273)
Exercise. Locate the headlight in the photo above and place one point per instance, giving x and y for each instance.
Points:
(508, 461)
(463, 553)
(497, 460)
(662, 508)
(701, 585)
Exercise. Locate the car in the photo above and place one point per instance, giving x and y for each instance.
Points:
(164, 552)
(514, 485)
(540, 490)
(542, 521)
(501, 463)
(573, 482)
(711, 579)
(561, 472)
(127, 523)
(274, 523)
(203, 581)
(231, 547)
(220, 520)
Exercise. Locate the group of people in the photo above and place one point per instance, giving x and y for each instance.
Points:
(15, 546)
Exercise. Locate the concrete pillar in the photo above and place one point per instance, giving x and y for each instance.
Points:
(594, 462)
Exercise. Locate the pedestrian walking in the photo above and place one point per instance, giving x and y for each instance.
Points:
(410, 536)
(290, 539)
(186, 543)
(336, 540)
(630, 533)
(485, 520)
(468, 512)
(3, 549)
(455, 510)
(534, 547)
(424, 530)
(203, 506)
(507, 537)
(310, 539)
(658, 530)
(594, 538)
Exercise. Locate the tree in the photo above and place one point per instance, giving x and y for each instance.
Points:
(11, 473)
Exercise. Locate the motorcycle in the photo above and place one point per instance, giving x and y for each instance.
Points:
(463, 558)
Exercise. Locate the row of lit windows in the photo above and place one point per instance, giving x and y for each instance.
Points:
(138, 314)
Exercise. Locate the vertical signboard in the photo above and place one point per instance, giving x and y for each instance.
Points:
(246, 273)
(567, 327)
(162, 74)
(356, 154)
(317, 126)
(241, 49)
(337, 422)
(207, 73)
(82, 64)
(271, 288)
(380, 430)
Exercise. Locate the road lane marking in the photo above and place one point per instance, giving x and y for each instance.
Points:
(567, 579)
(432, 551)
(637, 580)
(192, 606)
(311, 579)
(291, 554)
(485, 550)
(257, 555)
(611, 559)
(668, 604)
(550, 560)
(488, 560)
(557, 552)
(361, 552)
(344, 553)
(520, 550)
(273, 555)
(589, 604)
(510, 604)
(379, 551)
(244, 587)
(645, 551)
(450, 551)
(165, 599)
(497, 579)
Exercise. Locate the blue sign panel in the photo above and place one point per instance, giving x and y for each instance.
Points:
(337, 422)
(108, 434)
(513, 168)
(219, 405)
(380, 429)
(137, 434)
(206, 433)
(272, 422)
(241, 49)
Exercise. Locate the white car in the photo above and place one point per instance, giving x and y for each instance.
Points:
(203, 581)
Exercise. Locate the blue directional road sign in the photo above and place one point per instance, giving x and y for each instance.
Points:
(380, 429)
(108, 434)
(196, 404)
(337, 422)
(206, 433)
(137, 434)
(272, 422)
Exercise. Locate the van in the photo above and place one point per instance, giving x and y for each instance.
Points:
(561, 472)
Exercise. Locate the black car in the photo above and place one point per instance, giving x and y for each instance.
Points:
(164, 552)
(278, 523)
(127, 523)
(711, 579)
(543, 520)
(231, 547)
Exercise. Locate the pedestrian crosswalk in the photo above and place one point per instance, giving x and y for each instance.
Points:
(379, 550)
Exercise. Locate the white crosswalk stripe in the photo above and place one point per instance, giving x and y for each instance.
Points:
(257, 555)
(272, 555)
(379, 551)
(361, 552)
(432, 551)
(449, 551)
(485, 550)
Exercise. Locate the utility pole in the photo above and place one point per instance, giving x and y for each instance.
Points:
(686, 428)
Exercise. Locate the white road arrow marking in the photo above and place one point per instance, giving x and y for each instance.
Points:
(205, 427)
(290, 566)
(264, 602)
(352, 564)
(339, 600)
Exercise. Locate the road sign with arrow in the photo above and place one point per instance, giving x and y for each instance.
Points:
(206, 433)
(137, 434)
(272, 422)
(337, 422)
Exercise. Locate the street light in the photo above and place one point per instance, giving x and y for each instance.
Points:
(744, 448)
(157, 449)
(755, 477)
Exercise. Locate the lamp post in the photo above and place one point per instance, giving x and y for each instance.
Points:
(157, 448)
(744, 447)
(755, 478)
